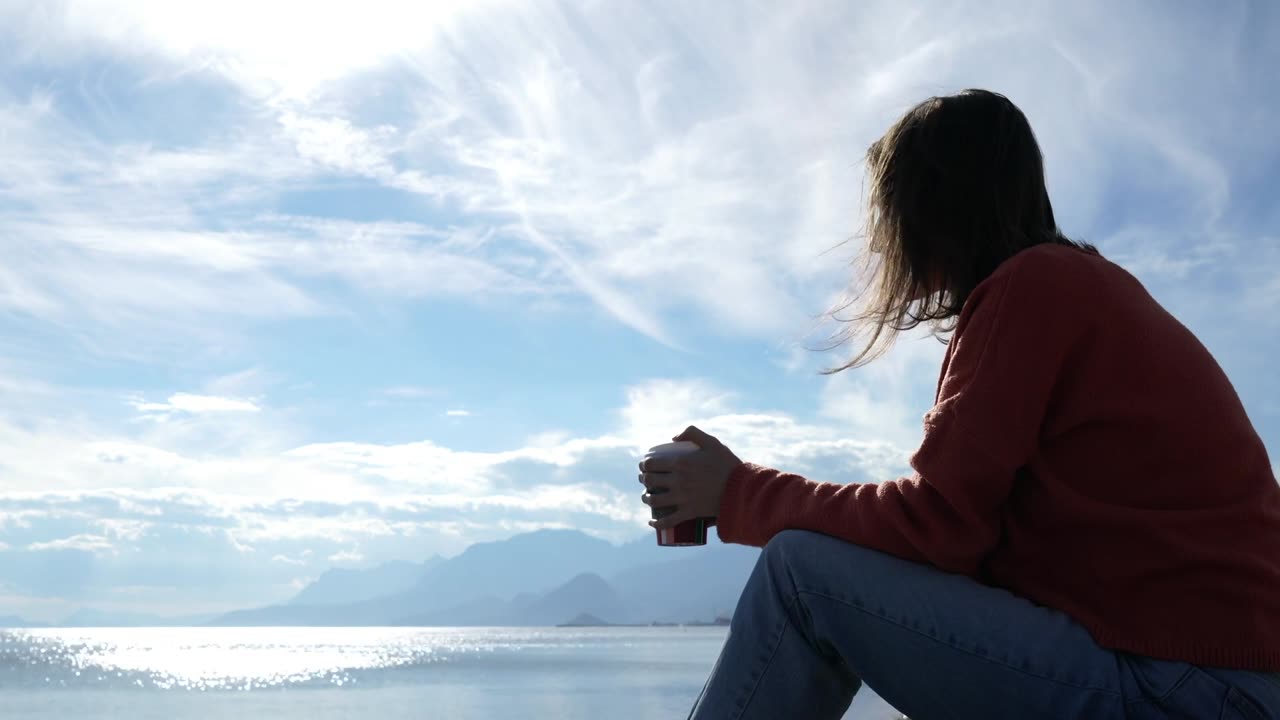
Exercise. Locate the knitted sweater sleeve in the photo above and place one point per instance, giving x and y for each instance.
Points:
(998, 376)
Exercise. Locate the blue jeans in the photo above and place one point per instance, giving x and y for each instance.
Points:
(821, 616)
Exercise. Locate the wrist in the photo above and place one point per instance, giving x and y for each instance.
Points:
(731, 501)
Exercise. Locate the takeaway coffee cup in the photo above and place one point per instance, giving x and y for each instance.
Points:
(689, 532)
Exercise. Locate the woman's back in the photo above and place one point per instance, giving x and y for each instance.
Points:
(1150, 502)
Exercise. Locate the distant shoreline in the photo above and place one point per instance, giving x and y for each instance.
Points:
(22, 628)
(718, 622)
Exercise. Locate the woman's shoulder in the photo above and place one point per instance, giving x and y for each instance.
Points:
(1048, 283)
(1053, 260)
(1047, 271)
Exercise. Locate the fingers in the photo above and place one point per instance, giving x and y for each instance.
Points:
(670, 464)
(660, 464)
(658, 513)
(662, 497)
(661, 480)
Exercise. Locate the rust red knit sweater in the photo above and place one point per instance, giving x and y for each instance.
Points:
(1086, 452)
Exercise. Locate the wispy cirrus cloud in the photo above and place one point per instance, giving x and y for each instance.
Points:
(89, 543)
(409, 392)
(628, 192)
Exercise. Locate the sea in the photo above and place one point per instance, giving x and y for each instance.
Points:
(361, 673)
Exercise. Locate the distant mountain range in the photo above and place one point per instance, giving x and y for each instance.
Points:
(343, 585)
(91, 617)
(547, 577)
(541, 578)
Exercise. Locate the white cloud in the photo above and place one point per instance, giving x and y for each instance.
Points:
(124, 529)
(658, 409)
(548, 439)
(887, 399)
(128, 259)
(458, 413)
(90, 543)
(371, 488)
(346, 557)
(286, 48)
(519, 161)
(288, 560)
(247, 382)
(409, 392)
(334, 143)
(661, 175)
(363, 503)
(196, 404)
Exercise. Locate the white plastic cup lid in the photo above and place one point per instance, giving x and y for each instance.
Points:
(683, 447)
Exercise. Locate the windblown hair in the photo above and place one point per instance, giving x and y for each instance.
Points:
(956, 187)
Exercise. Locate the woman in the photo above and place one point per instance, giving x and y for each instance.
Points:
(1092, 529)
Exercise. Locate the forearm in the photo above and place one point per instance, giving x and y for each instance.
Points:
(904, 517)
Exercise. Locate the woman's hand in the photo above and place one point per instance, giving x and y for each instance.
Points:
(694, 483)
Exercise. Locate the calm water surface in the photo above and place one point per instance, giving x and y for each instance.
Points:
(358, 673)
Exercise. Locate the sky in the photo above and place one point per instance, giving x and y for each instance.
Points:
(293, 285)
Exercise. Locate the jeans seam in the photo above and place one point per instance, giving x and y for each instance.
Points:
(746, 701)
(1182, 680)
(1241, 704)
(970, 653)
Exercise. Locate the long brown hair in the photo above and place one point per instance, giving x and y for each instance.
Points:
(956, 187)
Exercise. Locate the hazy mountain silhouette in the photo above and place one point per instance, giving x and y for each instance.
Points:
(531, 562)
(92, 617)
(301, 615)
(584, 620)
(585, 593)
(542, 578)
(693, 584)
(487, 611)
(341, 586)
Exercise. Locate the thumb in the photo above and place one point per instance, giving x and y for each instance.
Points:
(695, 436)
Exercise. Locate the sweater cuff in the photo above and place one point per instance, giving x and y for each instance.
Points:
(734, 522)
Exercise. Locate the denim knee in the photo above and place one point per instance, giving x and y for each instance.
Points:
(791, 547)
(789, 541)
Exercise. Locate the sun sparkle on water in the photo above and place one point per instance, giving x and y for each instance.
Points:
(242, 658)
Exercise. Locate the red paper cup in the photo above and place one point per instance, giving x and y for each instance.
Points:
(689, 532)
